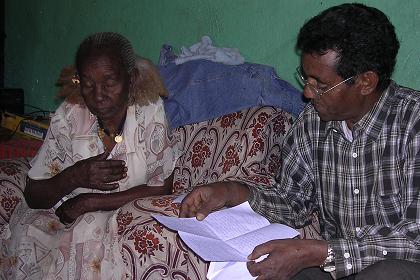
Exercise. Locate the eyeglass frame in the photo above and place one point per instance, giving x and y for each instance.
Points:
(318, 93)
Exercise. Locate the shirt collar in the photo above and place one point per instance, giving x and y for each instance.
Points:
(371, 124)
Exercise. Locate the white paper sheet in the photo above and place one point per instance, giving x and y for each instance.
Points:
(227, 235)
(230, 270)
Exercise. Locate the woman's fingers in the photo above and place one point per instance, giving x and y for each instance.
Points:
(100, 172)
(102, 156)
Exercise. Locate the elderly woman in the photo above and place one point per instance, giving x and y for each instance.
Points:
(106, 145)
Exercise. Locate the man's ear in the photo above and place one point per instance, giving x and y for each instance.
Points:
(368, 82)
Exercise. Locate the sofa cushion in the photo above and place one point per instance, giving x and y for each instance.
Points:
(239, 146)
(12, 182)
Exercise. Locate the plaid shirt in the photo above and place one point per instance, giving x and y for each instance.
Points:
(366, 191)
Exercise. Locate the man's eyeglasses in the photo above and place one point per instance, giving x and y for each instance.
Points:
(318, 92)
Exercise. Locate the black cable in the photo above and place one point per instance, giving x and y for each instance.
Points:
(39, 110)
(34, 107)
(44, 116)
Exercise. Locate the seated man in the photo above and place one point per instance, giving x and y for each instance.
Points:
(353, 156)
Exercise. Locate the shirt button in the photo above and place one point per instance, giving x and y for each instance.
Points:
(357, 229)
(354, 155)
(384, 252)
(356, 191)
(346, 255)
(349, 266)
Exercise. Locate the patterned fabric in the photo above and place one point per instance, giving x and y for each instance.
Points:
(38, 245)
(243, 145)
(226, 148)
(12, 181)
(73, 135)
(239, 146)
(367, 191)
(152, 251)
(19, 147)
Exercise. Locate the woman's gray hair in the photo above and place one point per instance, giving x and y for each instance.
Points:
(114, 42)
(146, 88)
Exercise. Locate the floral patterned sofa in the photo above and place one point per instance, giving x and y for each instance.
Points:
(242, 145)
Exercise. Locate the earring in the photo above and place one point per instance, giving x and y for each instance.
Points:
(75, 79)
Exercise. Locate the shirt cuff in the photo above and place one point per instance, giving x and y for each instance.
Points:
(61, 201)
(254, 199)
(347, 256)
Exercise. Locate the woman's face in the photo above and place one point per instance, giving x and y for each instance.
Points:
(104, 85)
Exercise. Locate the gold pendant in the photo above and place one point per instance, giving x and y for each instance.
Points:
(118, 138)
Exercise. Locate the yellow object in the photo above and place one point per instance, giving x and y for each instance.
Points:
(25, 127)
(10, 121)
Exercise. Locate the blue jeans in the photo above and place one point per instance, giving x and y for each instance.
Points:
(201, 89)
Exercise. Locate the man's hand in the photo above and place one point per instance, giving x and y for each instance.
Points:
(286, 258)
(98, 173)
(205, 199)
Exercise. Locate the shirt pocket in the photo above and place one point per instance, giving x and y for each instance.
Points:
(388, 206)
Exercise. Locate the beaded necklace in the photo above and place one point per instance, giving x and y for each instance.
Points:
(116, 135)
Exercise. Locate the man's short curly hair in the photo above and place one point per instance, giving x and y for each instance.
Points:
(362, 36)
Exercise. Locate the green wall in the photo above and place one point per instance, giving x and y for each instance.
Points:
(42, 35)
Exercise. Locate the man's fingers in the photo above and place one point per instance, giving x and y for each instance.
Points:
(253, 268)
(261, 250)
(187, 205)
(199, 203)
(204, 210)
(185, 211)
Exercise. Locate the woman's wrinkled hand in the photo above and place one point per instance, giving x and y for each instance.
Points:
(72, 208)
(98, 173)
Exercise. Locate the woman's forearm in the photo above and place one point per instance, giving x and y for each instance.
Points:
(112, 201)
(44, 194)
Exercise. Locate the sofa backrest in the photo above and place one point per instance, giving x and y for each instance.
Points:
(239, 146)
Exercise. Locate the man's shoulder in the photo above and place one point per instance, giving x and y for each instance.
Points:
(403, 109)
(405, 97)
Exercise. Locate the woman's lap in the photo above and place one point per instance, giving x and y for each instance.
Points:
(40, 247)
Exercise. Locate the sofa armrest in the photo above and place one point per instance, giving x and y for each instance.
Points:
(12, 183)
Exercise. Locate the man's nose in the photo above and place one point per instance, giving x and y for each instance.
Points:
(308, 92)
